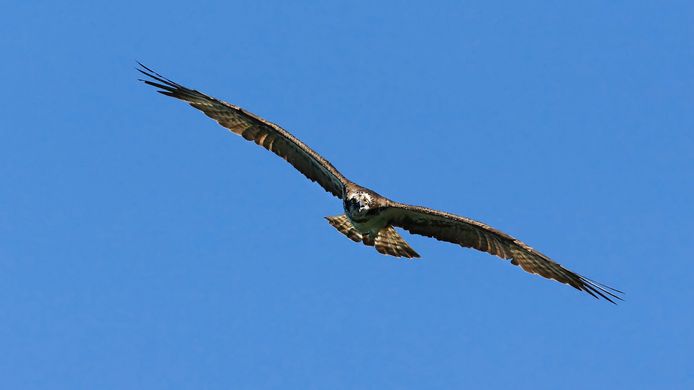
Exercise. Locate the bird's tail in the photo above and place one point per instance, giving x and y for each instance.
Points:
(388, 241)
(344, 226)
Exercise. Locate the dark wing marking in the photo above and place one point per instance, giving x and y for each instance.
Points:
(256, 129)
(472, 234)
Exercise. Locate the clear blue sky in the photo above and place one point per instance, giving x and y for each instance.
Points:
(142, 246)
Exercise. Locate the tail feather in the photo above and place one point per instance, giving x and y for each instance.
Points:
(344, 226)
(387, 242)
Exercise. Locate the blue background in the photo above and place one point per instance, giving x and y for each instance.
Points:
(142, 246)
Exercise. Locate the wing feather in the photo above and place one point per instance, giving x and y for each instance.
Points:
(473, 234)
(254, 128)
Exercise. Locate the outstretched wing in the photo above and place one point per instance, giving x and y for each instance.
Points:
(472, 234)
(256, 129)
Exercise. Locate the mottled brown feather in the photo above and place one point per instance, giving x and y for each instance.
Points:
(389, 242)
(344, 226)
(254, 128)
(473, 234)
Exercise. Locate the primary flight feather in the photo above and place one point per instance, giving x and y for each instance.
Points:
(369, 217)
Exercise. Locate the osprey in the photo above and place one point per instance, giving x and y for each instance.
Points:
(370, 218)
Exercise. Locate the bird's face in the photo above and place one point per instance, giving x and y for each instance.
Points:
(358, 203)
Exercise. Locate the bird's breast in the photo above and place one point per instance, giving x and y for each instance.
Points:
(368, 221)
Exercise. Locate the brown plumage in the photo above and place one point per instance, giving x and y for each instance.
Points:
(369, 217)
(256, 129)
(388, 241)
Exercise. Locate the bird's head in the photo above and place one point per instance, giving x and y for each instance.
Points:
(358, 202)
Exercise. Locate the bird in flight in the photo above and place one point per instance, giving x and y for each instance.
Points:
(370, 218)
